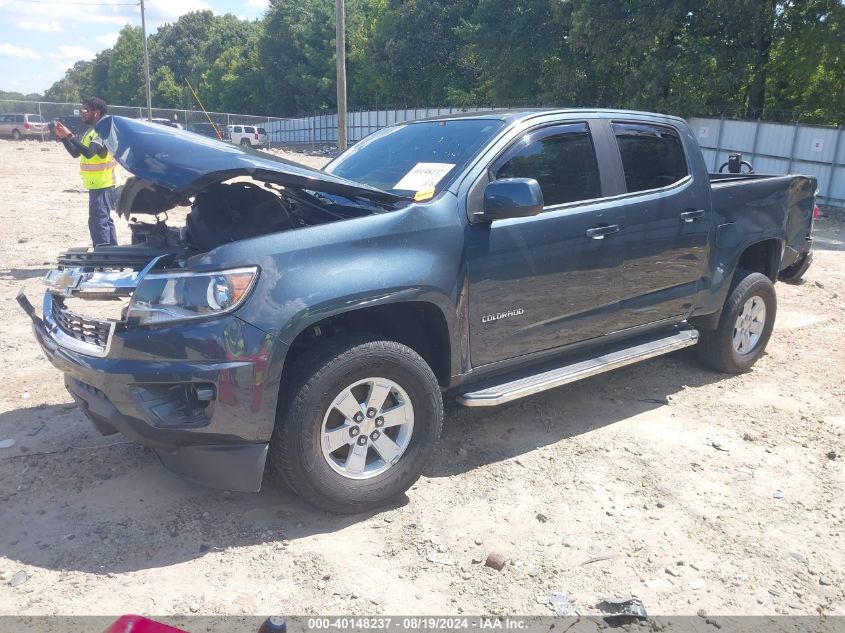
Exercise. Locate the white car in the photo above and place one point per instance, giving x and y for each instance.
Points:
(248, 135)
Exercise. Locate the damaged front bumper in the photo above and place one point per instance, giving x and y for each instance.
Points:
(200, 393)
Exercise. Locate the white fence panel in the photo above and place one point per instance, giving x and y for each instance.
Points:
(777, 148)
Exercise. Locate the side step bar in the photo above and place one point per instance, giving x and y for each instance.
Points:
(529, 385)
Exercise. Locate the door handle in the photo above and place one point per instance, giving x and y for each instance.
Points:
(692, 215)
(598, 232)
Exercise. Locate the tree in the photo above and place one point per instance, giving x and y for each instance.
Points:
(233, 82)
(416, 52)
(125, 77)
(516, 50)
(166, 91)
(687, 57)
(190, 47)
(75, 86)
(807, 64)
(296, 55)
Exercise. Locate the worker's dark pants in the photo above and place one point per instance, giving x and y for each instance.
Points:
(100, 224)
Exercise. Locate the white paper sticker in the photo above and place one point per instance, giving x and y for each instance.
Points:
(423, 176)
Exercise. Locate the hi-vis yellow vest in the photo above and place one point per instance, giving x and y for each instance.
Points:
(97, 173)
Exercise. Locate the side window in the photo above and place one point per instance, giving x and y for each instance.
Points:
(18, 118)
(238, 129)
(652, 155)
(561, 159)
(249, 130)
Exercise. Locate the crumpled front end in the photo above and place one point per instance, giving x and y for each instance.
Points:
(197, 390)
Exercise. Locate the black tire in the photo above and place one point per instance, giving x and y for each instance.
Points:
(16, 134)
(314, 384)
(716, 347)
(245, 142)
(793, 274)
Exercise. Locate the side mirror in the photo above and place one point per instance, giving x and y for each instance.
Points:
(511, 198)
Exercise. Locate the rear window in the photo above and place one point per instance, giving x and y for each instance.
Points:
(652, 155)
(34, 118)
(261, 130)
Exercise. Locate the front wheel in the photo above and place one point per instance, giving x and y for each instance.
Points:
(359, 420)
(744, 327)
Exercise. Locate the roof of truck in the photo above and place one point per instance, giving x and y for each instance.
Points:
(512, 115)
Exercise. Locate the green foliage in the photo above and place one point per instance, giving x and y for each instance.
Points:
(415, 53)
(808, 62)
(296, 56)
(19, 96)
(125, 76)
(165, 90)
(769, 58)
(76, 85)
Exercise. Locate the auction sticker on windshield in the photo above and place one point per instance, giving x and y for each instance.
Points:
(423, 176)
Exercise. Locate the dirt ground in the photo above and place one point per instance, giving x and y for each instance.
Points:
(690, 489)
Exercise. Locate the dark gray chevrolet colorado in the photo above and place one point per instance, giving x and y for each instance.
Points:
(317, 317)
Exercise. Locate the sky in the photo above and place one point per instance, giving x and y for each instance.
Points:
(41, 39)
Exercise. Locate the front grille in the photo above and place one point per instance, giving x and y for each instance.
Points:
(79, 327)
(111, 257)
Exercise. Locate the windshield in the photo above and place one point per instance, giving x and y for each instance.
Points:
(416, 158)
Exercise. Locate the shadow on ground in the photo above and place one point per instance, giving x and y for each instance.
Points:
(105, 505)
(22, 274)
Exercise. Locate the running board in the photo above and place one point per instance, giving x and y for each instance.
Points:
(529, 385)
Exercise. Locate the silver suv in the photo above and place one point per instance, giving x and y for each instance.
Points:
(22, 125)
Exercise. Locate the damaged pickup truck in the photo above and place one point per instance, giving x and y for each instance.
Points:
(316, 318)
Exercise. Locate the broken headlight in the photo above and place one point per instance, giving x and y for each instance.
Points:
(166, 297)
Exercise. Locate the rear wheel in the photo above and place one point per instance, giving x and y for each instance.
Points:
(16, 134)
(359, 420)
(245, 142)
(744, 327)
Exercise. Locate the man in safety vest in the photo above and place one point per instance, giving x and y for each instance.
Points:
(97, 168)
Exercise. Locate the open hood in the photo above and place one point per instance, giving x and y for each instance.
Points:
(171, 164)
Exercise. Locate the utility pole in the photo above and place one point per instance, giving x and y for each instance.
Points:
(146, 63)
(340, 39)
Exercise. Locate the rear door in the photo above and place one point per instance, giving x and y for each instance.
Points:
(667, 224)
(541, 282)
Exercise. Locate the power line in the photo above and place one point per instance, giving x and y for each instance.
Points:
(84, 4)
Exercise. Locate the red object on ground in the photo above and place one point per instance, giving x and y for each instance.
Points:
(139, 624)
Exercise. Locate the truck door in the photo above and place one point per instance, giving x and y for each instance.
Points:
(541, 282)
(666, 225)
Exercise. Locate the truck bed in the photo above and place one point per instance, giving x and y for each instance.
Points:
(762, 203)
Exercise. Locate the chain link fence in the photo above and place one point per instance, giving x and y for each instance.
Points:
(316, 133)
(185, 119)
